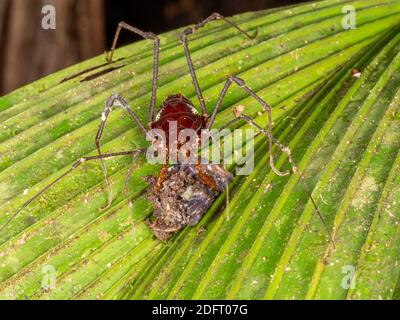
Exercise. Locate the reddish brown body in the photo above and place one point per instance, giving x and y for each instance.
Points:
(178, 108)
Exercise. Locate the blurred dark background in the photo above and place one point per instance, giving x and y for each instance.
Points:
(85, 28)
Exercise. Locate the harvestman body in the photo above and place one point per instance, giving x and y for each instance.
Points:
(203, 181)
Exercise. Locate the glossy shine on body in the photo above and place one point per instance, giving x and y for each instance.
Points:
(180, 109)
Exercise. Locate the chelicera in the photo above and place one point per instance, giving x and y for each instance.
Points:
(182, 193)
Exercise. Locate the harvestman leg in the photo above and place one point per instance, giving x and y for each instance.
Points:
(114, 100)
(268, 133)
(73, 167)
(149, 36)
(209, 181)
(190, 30)
(267, 108)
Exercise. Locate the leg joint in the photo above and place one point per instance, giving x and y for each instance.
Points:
(186, 32)
(123, 24)
(152, 35)
(216, 15)
(112, 98)
(237, 80)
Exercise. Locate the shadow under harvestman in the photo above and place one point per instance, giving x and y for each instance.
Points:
(181, 193)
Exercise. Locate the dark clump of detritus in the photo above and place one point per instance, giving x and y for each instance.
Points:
(183, 198)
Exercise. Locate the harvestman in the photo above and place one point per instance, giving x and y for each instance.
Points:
(178, 108)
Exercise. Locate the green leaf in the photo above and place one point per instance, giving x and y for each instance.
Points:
(343, 131)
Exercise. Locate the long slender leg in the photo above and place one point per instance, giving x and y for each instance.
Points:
(266, 106)
(114, 100)
(73, 167)
(146, 35)
(268, 133)
(190, 30)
